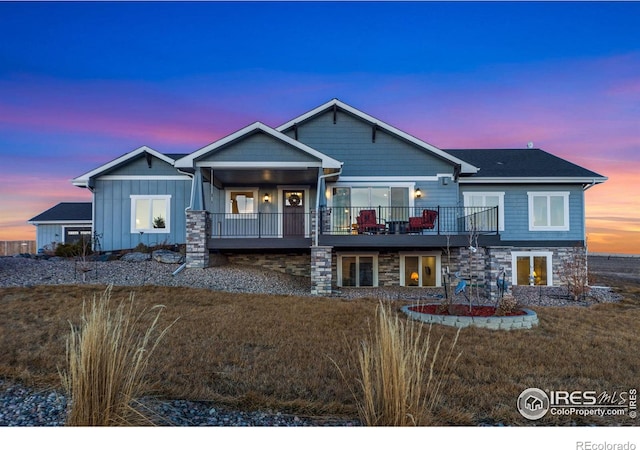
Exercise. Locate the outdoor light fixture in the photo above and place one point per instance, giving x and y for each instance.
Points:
(267, 198)
(418, 193)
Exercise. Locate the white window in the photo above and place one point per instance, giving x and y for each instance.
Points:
(548, 211)
(532, 268)
(241, 203)
(420, 269)
(150, 213)
(478, 202)
(358, 270)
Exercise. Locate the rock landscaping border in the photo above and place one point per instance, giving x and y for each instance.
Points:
(526, 321)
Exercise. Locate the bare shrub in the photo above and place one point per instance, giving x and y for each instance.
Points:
(574, 273)
(507, 305)
(399, 383)
(107, 359)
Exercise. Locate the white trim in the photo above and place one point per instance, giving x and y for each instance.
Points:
(530, 180)
(83, 180)
(145, 177)
(375, 269)
(60, 222)
(465, 166)
(394, 179)
(499, 194)
(259, 164)
(548, 194)
(167, 228)
(531, 254)
(388, 184)
(326, 161)
(438, 269)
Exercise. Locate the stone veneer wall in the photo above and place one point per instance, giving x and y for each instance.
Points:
(289, 263)
(198, 228)
(321, 270)
(498, 257)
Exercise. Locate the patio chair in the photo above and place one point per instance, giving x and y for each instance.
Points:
(425, 222)
(368, 222)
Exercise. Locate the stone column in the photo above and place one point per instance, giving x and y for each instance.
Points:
(198, 227)
(321, 270)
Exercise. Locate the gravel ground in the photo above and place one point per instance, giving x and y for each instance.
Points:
(20, 406)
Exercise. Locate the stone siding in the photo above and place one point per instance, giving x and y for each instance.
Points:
(289, 263)
(198, 228)
(321, 270)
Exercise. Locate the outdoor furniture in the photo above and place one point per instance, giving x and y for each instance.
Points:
(425, 222)
(368, 222)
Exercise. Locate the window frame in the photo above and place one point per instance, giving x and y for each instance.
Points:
(484, 194)
(229, 214)
(531, 254)
(357, 255)
(167, 219)
(438, 256)
(548, 194)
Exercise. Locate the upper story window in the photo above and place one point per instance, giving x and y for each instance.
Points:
(548, 211)
(150, 213)
(241, 201)
(482, 201)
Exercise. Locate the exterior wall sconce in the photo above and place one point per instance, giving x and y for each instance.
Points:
(418, 193)
(267, 199)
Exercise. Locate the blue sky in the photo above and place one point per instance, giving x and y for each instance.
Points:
(83, 83)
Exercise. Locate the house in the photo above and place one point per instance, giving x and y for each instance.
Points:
(348, 200)
(65, 223)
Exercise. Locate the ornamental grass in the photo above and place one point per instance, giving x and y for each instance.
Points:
(107, 359)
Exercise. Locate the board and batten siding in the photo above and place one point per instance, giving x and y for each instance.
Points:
(259, 147)
(113, 211)
(139, 166)
(516, 211)
(350, 140)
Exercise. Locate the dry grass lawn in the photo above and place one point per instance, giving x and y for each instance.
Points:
(261, 351)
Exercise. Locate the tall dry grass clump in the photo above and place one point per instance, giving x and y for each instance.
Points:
(107, 358)
(400, 383)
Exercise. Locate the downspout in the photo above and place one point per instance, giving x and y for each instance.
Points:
(589, 186)
(320, 178)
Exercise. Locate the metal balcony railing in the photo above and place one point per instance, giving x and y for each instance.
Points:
(358, 220)
(414, 220)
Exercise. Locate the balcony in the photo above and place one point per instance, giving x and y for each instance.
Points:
(355, 226)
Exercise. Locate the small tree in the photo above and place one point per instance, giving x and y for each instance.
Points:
(574, 273)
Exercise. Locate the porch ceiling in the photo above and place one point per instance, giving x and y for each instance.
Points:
(264, 176)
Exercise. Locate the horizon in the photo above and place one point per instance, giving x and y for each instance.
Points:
(84, 83)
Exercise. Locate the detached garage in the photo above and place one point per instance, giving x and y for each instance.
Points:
(65, 223)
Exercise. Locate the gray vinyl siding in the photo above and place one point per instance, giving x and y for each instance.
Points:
(259, 147)
(516, 211)
(113, 211)
(139, 166)
(350, 140)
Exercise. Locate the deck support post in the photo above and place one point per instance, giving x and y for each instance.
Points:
(321, 270)
(198, 229)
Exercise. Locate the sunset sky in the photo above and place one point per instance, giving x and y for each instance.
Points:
(83, 83)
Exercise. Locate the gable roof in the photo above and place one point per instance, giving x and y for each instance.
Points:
(65, 212)
(523, 165)
(465, 167)
(257, 127)
(83, 180)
